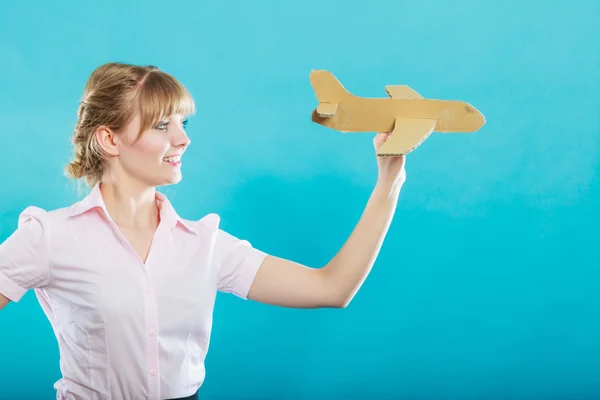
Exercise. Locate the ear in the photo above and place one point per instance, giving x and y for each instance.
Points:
(107, 140)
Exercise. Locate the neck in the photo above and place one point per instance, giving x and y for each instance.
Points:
(130, 205)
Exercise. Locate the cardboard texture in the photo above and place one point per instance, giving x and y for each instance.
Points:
(405, 113)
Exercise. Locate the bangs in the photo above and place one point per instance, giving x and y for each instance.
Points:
(161, 96)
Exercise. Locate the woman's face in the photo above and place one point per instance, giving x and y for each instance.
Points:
(155, 158)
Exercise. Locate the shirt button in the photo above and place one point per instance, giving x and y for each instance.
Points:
(153, 372)
(152, 332)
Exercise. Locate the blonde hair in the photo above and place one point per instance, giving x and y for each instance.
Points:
(113, 94)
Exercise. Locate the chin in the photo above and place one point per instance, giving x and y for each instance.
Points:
(169, 182)
(173, 180)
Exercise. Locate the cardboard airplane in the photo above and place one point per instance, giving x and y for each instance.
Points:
(406, 114)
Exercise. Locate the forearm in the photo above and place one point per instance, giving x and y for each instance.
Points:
(347, 271)
(3, 301)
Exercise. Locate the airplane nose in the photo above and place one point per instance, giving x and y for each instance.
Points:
(480, 119)
(476, 117)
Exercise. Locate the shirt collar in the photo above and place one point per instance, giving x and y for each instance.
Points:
(168, 215)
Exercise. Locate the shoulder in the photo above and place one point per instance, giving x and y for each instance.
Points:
(210, 224)
(35, 217)
(210, 221)
(224, 241)
(207, 224)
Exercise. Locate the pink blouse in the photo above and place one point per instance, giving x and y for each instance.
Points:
(125, 329)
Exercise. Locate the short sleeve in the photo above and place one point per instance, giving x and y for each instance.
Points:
(23, 256)
(238, 263)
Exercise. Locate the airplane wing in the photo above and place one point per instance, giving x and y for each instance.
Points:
(402, 92)
(407, 135)
(327, 109)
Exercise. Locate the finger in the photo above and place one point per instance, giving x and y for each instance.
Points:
(380, 136)
(379, 140)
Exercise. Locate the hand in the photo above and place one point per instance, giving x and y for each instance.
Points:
(392, 173)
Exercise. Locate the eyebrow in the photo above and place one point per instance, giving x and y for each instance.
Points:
(183, 118)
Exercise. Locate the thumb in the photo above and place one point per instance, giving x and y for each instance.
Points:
(380, 139)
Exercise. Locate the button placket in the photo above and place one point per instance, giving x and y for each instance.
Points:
(152, 336)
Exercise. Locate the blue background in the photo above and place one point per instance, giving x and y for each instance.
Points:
(487, 286)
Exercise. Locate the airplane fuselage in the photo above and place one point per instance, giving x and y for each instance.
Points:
(359, 114)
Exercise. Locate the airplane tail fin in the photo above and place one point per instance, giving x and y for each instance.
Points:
(327, 88)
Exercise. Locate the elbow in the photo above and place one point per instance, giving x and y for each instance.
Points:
(336, 292)
(341, 302)
(341, 305)
(338, 299)
(334, 298)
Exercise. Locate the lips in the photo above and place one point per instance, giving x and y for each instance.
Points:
(172, 159)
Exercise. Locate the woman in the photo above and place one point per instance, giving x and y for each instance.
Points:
(127, 284)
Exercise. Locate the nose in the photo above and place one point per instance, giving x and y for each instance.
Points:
(479, 119)
(181, 139)
(476, 120)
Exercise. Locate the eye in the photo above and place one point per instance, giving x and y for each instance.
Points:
(162, 126)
